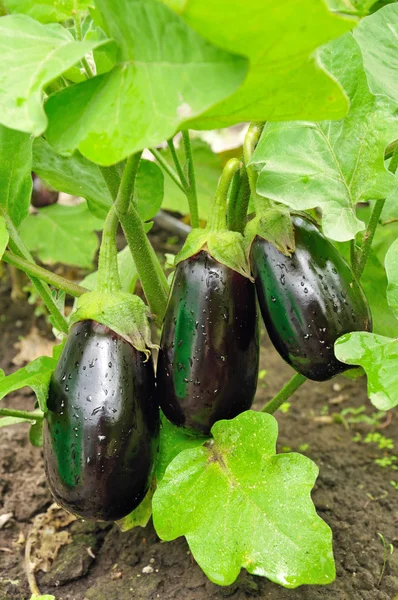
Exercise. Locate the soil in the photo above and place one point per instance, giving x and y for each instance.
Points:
(353, 495)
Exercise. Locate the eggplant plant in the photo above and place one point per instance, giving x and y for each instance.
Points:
(100, 101)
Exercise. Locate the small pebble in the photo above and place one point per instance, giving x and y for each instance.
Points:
(151, 560)
(337, 387)
(147, 569)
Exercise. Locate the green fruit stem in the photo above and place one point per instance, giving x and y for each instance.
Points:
(288, 390)
(218, 215)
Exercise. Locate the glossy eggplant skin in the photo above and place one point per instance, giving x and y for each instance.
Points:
(101, 428)
(208, 359)
(308, 301)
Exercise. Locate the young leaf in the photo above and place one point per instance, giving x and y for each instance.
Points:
(377, 36)
(141, 515)
(3, 236)
(7, 421)
(166, 75)
(36, 375)
(241, 505)
(333, 164)
(172, 441)
(63, 234)
(78, 176)
(377, 354)
(286, 80)
(32, 55)
(15, 173)
(48, 11)
(127, 271)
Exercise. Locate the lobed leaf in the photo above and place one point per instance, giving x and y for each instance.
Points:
(377, 36)
(241, 505)
(64, 234)
(166, 74)
(47, 11)
(15, 173)
(32, 55)
(35, 375)
(334, 164)
(78, 176)
(140, 516)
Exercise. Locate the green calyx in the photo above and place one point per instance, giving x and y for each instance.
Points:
(227, 247)
(274, 225)
(122, 312)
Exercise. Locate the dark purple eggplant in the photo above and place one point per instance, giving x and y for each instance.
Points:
(308, 300)
(209, 350)
(101, 428)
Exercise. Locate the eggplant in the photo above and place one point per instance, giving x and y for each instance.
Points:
(209, 351)
(308, 300)
(101, 428)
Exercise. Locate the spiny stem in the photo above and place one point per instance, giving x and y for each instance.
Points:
(296, 381)
(108, 272)
(218, 215)
(177, 163)
(191, 187)
(232, 199)
(127, 184)
(250, 142)
(167, 168)
(242, 201)
(43, 274)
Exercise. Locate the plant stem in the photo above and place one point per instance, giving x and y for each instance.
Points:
(149, 271)
(167, 168)
(21, 414)
(111, 178)
(218, 214)
(108, 272)
(232, 199)
(43, 274)
(372, 225)
(191, 188)
(250, 142)
(242, 201)
(177, 163)
(296, 381)
(79, 36)
(353, 254)
(17, 245)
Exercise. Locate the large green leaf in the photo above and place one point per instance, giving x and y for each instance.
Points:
(64, 234)
(32, 55)
(239, 504)
(332, 165)
(377, 37)
(377, 354)
(47, 11)
(78, 176)
(36, 375)
(173, 440)
(286, 80)
(140, 516)
(15, 173)
(166, 74)
(3, 236)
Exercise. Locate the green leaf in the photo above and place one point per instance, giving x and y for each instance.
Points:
(15, 173)
(241, 505)
(208, 168)
(274, 225)
(78, 176)
(378, 355)
(64, 234)
(173, 440)
(127, 271)
(333, 164)
(35, 375)
(166, 75)
(351, 7)
(32, 56)
(286, 79)
(47, 11)
(377, 36)
(45, 597)
(141, 515)
(3, 236)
